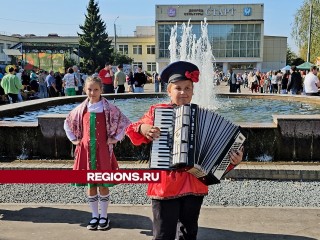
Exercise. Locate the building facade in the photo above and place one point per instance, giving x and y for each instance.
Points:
(235, 31)
(236, 34)
(140, 47)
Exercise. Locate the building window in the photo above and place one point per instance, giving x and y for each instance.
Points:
(151, 49)
(123, 49)
(151, 66)
(135, 65)
(227, 40)
(164, 32)
(1, 47)
(137, 49)
(235, 40)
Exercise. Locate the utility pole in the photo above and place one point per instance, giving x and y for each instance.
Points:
(309, 37)
(115, 34)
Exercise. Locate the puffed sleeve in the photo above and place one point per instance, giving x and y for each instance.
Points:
(133, 129)
(118, 122)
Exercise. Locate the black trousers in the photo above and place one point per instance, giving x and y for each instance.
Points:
(14, 97)
(120, 89)
(182, 211)
(52, 92)
(108, 88)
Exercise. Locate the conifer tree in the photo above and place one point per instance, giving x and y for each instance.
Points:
(95, 47)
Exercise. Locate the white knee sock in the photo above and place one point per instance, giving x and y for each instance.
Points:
(93, 203)
(104, 202)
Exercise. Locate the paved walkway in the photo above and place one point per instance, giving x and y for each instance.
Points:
(65, 222)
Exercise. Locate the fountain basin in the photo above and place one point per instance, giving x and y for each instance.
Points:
(287, 138)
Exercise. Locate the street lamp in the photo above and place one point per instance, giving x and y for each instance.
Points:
(115, 34)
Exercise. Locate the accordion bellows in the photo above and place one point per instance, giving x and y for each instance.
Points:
(194, 139)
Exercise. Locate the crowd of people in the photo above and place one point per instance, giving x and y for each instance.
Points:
(43, 84)
(19, 84)
(276, 82)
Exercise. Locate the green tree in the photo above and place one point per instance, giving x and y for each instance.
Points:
(297, 61)
(118, 58)
(290, 56)
(94, 45)
(300, 30)
(68, 61)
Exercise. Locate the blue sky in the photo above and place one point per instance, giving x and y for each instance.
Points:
(41, 17)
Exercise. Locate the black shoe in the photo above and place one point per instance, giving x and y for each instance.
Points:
(93, 225)
(105, 225)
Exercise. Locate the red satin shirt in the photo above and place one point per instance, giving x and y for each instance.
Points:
(173, 184)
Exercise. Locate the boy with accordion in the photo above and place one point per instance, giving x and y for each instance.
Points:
(179, 195)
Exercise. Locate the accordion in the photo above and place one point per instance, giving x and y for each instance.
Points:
(194, 139)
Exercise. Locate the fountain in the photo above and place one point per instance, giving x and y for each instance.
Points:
(197, 51)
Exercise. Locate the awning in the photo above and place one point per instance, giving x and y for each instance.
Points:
(12, 52)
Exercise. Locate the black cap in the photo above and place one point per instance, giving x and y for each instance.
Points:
(178, 71)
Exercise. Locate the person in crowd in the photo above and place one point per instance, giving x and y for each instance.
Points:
(84, 77)
(255, 82)
(106, 76)
(267, 82)
(43, 91)
(279, 81)
(69, 83)
(34, 85)
(96, 73)
(77, 75)
(295, 83)
(25, 80)
(2, 94)
(284, 82)
(216, 78)
(11, 85)
(93, 127)
(245, 79)
(238, 83)
(232, 80)
(18, 72)
(274, 83)
(156, 81)
(33, 75)
(140, 79)
(130, 82)
(163, 85)
(51, 85)
(58, 78)
(119, 79)
(179, 195)
(311, 82)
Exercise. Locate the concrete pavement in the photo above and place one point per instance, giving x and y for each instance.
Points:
(134, 222)
(64, 222)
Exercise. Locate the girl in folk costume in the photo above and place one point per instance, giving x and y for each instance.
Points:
(94, 126)
(179, 195)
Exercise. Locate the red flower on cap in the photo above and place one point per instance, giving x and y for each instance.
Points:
(194, 75)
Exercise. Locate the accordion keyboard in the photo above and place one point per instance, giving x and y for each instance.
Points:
(161, 151)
